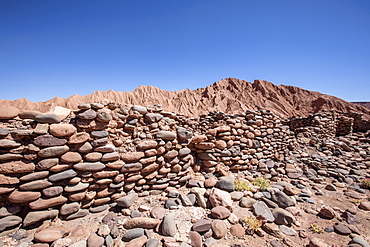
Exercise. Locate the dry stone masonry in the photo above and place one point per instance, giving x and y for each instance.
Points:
(69, 164)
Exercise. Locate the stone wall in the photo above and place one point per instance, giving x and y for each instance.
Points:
(69, 163)
(328, 123)
(243, 141)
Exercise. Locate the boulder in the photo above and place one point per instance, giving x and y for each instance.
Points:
(8, 112)
(99, 134)
(184, 134)
(71, 157)
(9, 221)
(3, 133)
(34, 176)
(52, 191)
(237, 230)
(53, 151)
(51, 234)
(327, 212)
(47, 118)
(166, 135)
(89, 166)
(132, 234)
(80, 213)
(219, 228)
(132, 157)
(219, 197)
(35, 185)
(60, 112)
(87, 114)
(195, 239)
(8, 180)
(5, 143)
(46, 203)
(220, 212)
(141, 222)
(282, 217)
(137, 242)
(202, 225)
(260, 208)
(168, 226)
(46, 164)
(62, 175)
(23, 196)
(37, 216)
(48, 141)
(127, 201)
(281, 199)
(139, 108)
(28, 114)
(153, 117)
(104, 116)
(79, 137)
(18, 166)
(147, 144)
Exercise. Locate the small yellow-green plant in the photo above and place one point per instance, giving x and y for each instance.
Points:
(355, 201)
(253, 223)
(316, 228)
(241, 185)
(365, 183)
(261, 182)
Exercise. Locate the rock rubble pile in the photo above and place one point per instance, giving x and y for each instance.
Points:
(172, 180)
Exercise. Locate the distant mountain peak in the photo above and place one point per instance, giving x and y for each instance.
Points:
(229, 95)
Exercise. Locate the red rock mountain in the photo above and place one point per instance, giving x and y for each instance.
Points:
(228, 95)
(365, 104)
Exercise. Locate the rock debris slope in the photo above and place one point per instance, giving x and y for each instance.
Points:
(228, 95)
(113, 176)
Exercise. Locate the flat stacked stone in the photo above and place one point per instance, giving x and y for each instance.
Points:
(80, 167)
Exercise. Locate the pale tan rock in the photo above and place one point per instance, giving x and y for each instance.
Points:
(77, 196)
(35, 185)
(80, 231)
(8, 180)
(23, 196)
(71, 157)
(53, 151)
(132, 157)
(37, 216)
(8, 112)
(18, 166)
(148, 144)
(62, 130)
(199, 138)
(28, 114)
(219, 197)
(51, 234)
(46, 203)
(61, 112)
(79, 137)
(317, 242)
(5, 143)
(141, 222)
(4, 190)
(137, 242)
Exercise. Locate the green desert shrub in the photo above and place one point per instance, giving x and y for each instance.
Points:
(241, 185)
(261, 182)
(253, 223)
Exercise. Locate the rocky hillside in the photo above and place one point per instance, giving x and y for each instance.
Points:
(365, 104)
(228, 95)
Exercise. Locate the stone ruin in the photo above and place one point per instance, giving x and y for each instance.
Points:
(69, 163)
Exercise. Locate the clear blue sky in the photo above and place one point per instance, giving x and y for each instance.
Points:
(65, 47)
